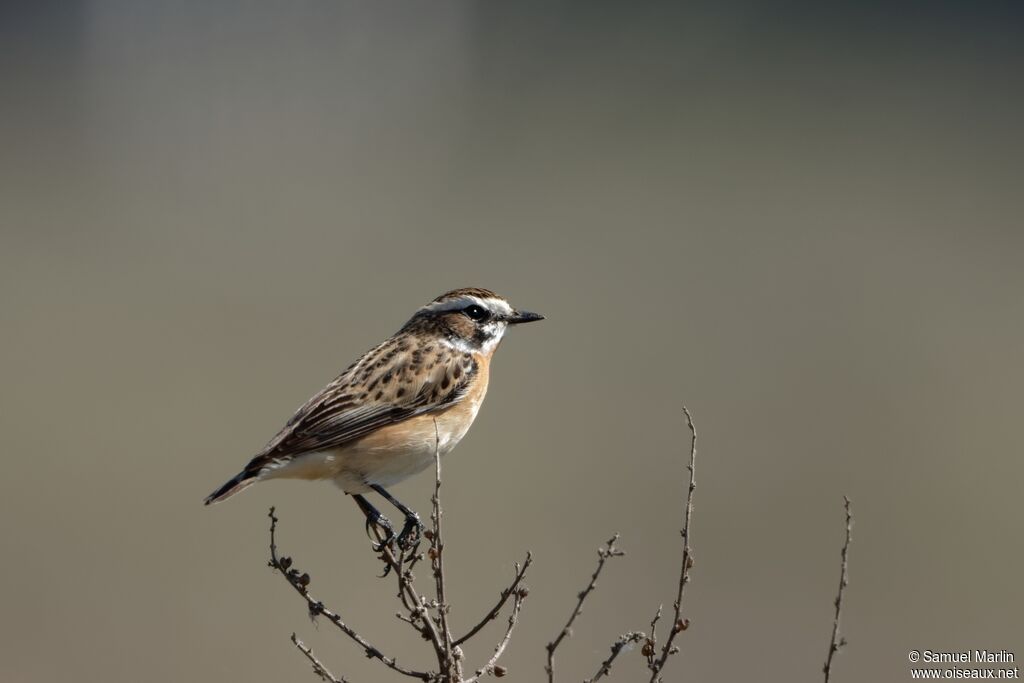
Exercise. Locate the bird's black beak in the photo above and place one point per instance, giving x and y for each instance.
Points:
(523, 317)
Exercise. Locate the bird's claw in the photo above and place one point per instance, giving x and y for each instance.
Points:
(380, 522)
(412, 533)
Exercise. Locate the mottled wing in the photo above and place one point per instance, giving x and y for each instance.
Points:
(395, 381)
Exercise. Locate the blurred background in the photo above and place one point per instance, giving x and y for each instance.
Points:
(802, 221)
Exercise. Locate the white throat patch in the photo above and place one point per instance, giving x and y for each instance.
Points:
(495, 331)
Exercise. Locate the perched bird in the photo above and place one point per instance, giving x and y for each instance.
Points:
(384, 417)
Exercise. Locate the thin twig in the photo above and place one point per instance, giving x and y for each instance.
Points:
(491, 667)
(678, 623)
(300, 582)
(437, 562)
(505, 595)
(603, 554)
(318, 668)
(413, 602)
(625, 639)
(650, 649)
(834, 645)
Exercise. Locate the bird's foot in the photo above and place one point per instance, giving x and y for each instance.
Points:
(382, 524)
(412, 533)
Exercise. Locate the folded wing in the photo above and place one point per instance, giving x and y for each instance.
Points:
(393, 382)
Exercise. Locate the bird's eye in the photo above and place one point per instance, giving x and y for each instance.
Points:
(477, 313)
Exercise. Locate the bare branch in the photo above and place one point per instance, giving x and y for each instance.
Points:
(678, 623)
(430, 617)
(834, 645)
(603, 554)
(318, 668)
(300, 582)
(625, 639)
(437, 563)
(491, 667)
(505, 594)
(413, 602)
(418, 609)
(436, 629)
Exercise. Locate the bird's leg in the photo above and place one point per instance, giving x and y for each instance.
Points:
(409, 538)
(375, 518)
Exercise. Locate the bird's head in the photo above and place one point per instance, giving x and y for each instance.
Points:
(473, 319)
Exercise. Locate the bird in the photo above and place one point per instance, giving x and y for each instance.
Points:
(384, 418)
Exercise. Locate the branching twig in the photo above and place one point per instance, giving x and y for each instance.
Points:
(505, 594)
(834, 645)
(318, 668)
(650, 649)
(625, 639)
(678, 623)
(300, 582)
(491, 667)
(413, 602)
(416, 605)
(603, 554)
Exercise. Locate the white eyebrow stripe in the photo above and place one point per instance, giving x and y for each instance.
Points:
(461, 302)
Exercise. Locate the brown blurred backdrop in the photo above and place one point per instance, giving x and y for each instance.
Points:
(803, 222)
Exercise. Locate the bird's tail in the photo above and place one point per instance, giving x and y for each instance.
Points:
(231, 487)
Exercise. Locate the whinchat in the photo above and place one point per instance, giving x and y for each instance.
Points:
(384, 418)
